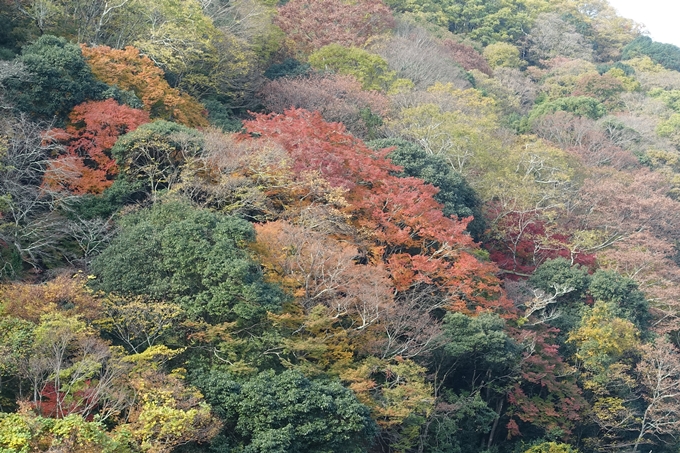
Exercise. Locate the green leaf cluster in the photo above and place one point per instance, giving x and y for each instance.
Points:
(59, 79)
(191, 257)
(287, 412)
(578, 105)
(667, 55)
(458, 198)
(369, 69)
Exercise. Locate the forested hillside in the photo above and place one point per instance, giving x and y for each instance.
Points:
(337, 226)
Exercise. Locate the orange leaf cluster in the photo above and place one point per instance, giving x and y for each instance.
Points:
(65, 293)
(131, 71)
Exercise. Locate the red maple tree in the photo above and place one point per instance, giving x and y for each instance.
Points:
(86, 165)
(410, 234)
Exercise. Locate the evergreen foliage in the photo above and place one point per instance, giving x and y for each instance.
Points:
(192, 257)
(667, 55)
(288, 412)
(58, 79)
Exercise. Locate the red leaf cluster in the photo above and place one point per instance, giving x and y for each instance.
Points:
(94, 126)
(414, 239)
(466, 56)
(547, 395)
(55, 403)
(525, 240)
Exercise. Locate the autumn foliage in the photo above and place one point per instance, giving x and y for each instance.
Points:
(311, 25)
(466, 56)
(547, 396)
(86, 166)
(339, 98)
(496, 270)
(129, 70)
(410, 234)
(64, 293)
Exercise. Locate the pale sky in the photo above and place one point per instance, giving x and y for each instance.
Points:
(660, 17)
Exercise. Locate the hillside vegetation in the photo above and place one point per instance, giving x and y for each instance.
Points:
(337, 226)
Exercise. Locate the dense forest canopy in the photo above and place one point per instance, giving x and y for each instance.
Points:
(362, 226)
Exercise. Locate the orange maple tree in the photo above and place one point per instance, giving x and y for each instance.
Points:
(131, 71)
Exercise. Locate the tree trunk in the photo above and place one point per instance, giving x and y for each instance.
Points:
(492, 434)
